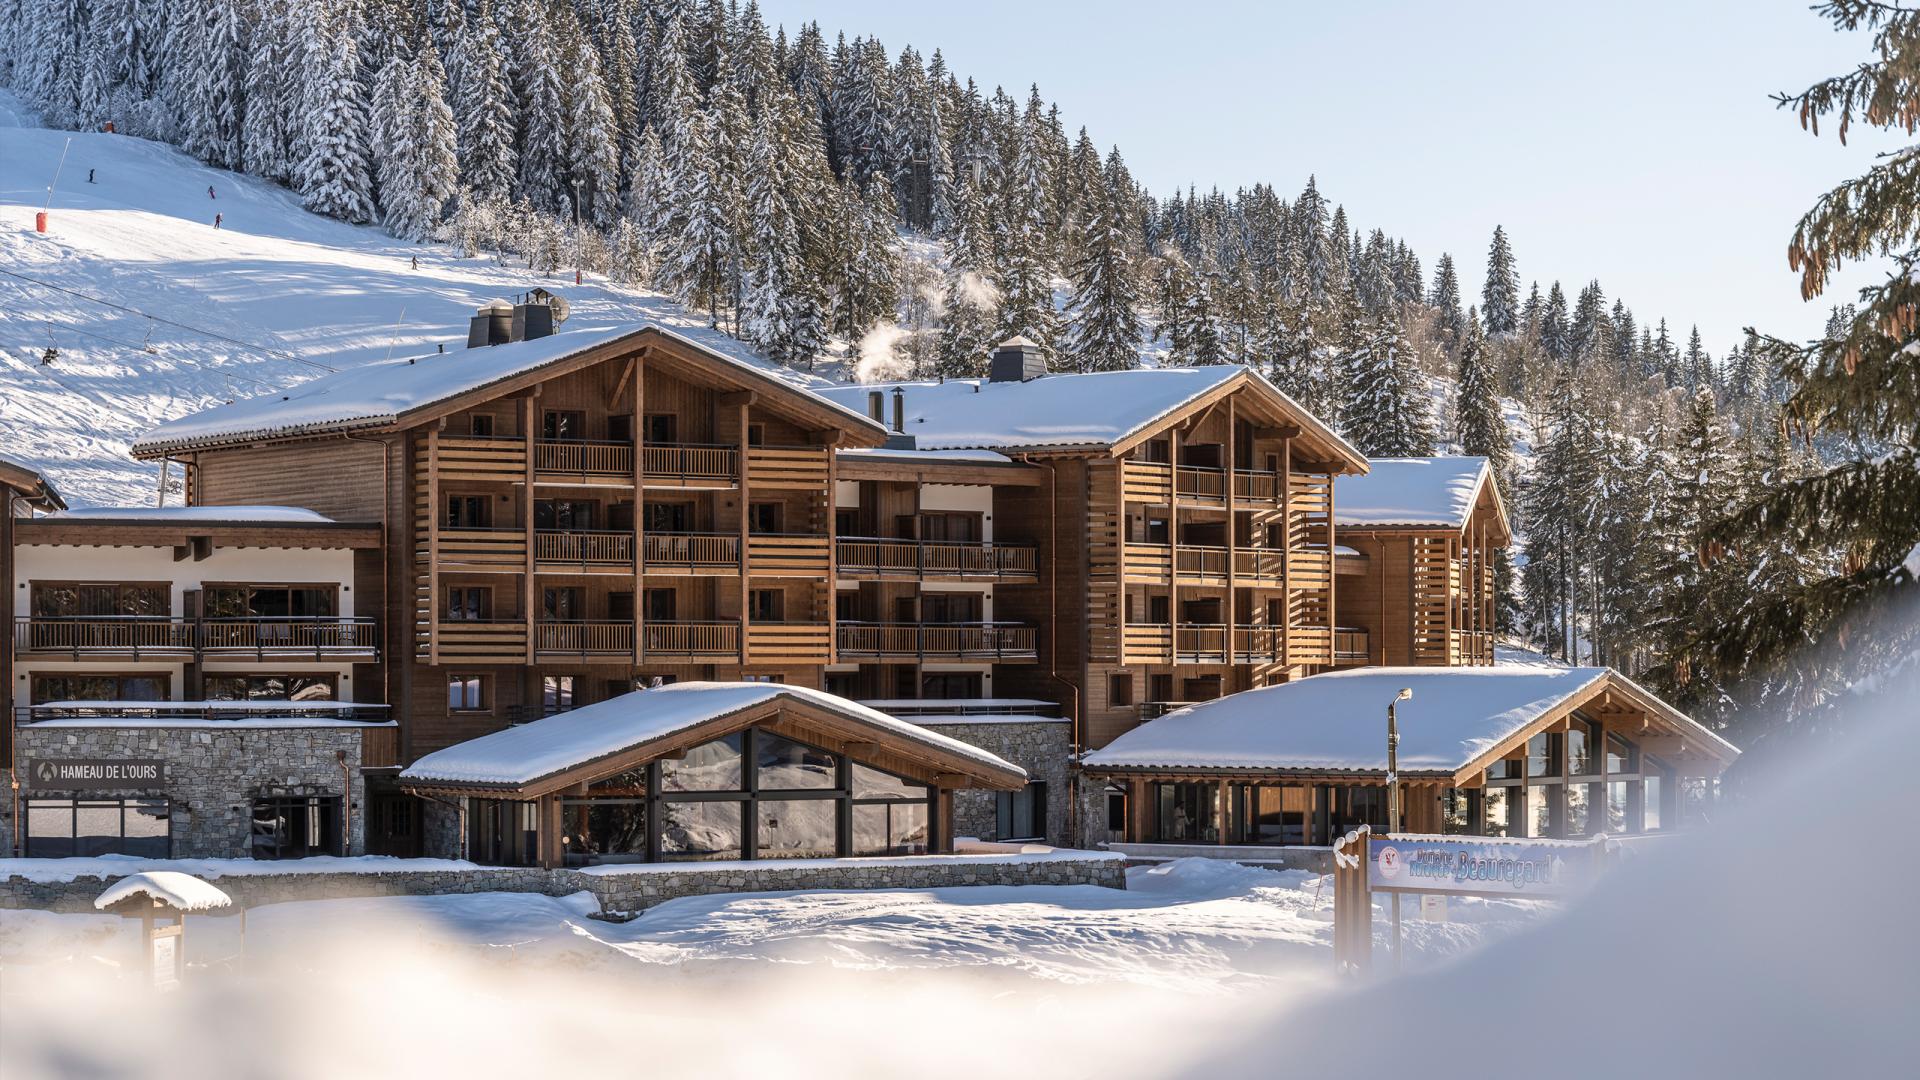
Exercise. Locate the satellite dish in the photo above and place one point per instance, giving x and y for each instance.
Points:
(560, 308)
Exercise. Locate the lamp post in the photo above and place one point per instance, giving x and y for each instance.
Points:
(1393, 797)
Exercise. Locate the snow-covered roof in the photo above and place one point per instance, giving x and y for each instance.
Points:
(1337, 722)
(184, 892)
(522, 755)
(1090, 409)
(233, 515)
(1436, 492)
(977, 457)
(36, 487)
(378, 394)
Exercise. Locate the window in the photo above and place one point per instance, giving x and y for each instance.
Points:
(756, 434)
(466, 693)
(846, 521)
(1120, 689)
(271, 601)
(950, 685)
(563, 514)
(763, 677)
(556, 694)
(764, 517)
(1579, 802)
(1579, 741)
(1159, 610)
(502, 833)
(891, 828)
(1160, 687)
(1653, 802)
(480, 426)
(663, 428)
(1116, 812)
(711, 766)
(564, 603)
(659, 604)
(1456, 810)
(1187, 813)
(1622, 756)
(469, 603)
(80, 600)
(225, 687)
(950, 527)
(620, 428)
(90, 687)
(1499, 803)
(1543, 755)
(672, 517)
(1022, 815)
(701, 830)
(469, 512)
(943, 607)
(767, 605)
(563, 425)
(85, 828)
(296, 826)
(1270, 813)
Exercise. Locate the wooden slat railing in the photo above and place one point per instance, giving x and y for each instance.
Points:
(982, 640)
(1199, 643)
(480, 549)
(711, 638)
(1195, 561)
(1152, 562)
(704, 463)
(791, 553)
(1205, 485)
(1259, 564)
(787, 468)
(582, 637)
(583, 458)
(583, 547)
(1350, 646)
(691, 550)
(1146, 481)
(132, 635)
(1256, 486)
(810, 643)
(318, 638)
(1146, 643)
(1258, 644)
(481, 642)
(470, 458)
(881, 557)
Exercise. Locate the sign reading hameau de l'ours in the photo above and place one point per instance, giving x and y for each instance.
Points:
(1477, 866)
(92, 774)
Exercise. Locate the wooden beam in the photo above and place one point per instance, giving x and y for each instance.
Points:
(738, 397)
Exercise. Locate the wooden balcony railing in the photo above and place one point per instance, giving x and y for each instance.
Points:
(690, 464)
(582, 637)
(1146, 481)
(787, 468)
(464, 641)
(777, 642)
(1202, 485)
(583, 459)
(1258, 644)
(789, 553)
(583, 548)
(949, 641)
(1149, 643)
(318, 638)
(126, 635)
(1256, 486)
(1200, 643)
(711, 638)
(691, 552)
(1194, 561)
(1149, 562)
(862, 556)
(1350, 646)
(501, 550)
(1260, 564)
(481, 458)
(202, 711)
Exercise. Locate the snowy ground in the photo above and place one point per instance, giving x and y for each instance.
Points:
(1028, 970)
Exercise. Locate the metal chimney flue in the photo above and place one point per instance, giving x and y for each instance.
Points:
(899, 410)
(877, 406)
(1016, 359)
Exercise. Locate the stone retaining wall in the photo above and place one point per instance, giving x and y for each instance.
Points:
(1041, 747)
(617, 889)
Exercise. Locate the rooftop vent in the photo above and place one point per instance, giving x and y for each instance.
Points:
(1016, 359)
(535, 315)
(898, 439)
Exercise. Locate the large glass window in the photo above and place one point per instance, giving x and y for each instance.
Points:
(1654, 801)
(103, 600)
(1579, 739)
(1617, 806)
(1621, 756)
(271, 601)
(270, 687)
(785, 765)
(704, 829)
(296, 826)
(503, 833)
(1543, 755)
(85, 828)
(891, 828)
(47, 688)
(1022, 815)
(797, 828)
(1579, 803)
(711, 766)
(1499, 810)
(1187, 813)
(1271, 813)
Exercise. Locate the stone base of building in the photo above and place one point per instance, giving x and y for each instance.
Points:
(1041, 746)
(619, 889)
(213, 776)
(1318, 860)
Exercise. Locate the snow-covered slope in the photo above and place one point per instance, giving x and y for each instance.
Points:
(289, 289)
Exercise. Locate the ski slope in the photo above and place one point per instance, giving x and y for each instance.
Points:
(291, 289)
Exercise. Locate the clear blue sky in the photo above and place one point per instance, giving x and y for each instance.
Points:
(1631, 142)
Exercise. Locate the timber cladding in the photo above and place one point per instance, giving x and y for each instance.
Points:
(336, 477)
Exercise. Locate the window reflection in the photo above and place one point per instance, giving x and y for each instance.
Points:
(700, 830)
(785, 765)
(798, 828)
(711, 766)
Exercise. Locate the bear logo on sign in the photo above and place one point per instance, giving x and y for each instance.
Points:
(46, 773)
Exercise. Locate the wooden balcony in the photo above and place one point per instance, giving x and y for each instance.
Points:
(1198, 485)
(1146, 643)
(691, 640)
(1146, 481)
(789, 643)
(1200, 643)
(318, 639)
(87, 636)
(931, 560)
(1157, 482)
(1194, 564)
(789, 555)
(497, 551)
(1149, 563)
(1256, 488)
(464, 642)
(1267, 566)
(691, 553)
(583, 551)
(983, 641)
(788, 468)
(582, 639)
(583, 463)
(690, 465)
(1259, 644)
(482, 459)
(1350, 646)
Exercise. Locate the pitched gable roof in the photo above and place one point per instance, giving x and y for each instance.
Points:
(1458, 720)
(1417, 493)
(30, 485)
(1097, 410)
(398, 392)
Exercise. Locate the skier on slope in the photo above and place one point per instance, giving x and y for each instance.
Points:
(209, 191)
(216, 221)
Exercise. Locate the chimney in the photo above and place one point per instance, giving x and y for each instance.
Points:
(1016, 359)
(877, 406)
(492, 324)
(898, 439)
(532, 320)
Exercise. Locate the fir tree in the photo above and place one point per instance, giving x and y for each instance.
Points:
(333, 176)
(1500, 296)
(1480, 424)
(1104, 333)
(1445, 299)
(1388, 407)
(484, 111)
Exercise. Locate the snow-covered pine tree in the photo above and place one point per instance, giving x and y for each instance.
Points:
(333, 176)
(1025, 278)
(1388, 408)
(273, 95)
(1696, 365)
(484, 110)
(214, 106)
(418, 174)
(1480, 424)
(543, 113)
(777, 316)
(1104, 329)
(1500, 296)
(1555, 335)
(1445, 299)
(593, 151)
(970, 303)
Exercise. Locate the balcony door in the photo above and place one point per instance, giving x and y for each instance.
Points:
(82, 600)
(565, 515)
(565, 603)
(950, 528)
(950, 607)
(563, 425)
(272, 601)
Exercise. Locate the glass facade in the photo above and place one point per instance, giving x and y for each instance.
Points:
(1187, 813)
(84, 828)
(1581, 782)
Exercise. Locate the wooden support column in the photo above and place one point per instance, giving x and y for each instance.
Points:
(1285, 482)
(1233, 543)
(746, 592)
(1333, 575)
(1175, 440)
(1225, 814)
(433, 545)
(528, 414)
(833, 550)
(639, 507)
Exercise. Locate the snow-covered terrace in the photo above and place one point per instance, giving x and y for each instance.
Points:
(1416, 493)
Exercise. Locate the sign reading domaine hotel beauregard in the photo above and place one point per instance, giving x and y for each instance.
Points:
(1477, 866)
(94, 774)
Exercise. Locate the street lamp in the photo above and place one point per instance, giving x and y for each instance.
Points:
(1393, 760)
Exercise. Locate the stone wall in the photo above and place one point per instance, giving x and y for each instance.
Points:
(618, 889)
(213, 774)
(1041, 747)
